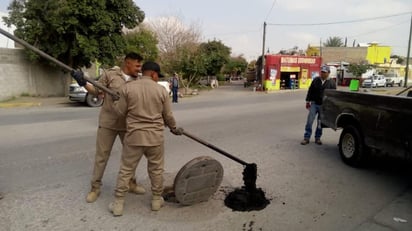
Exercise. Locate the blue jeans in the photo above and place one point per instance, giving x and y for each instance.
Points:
(313, 111)
(174, 91)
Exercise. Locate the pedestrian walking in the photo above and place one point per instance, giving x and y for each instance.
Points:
(111, 125)
(174, 85)
(314, 103)
(147, 109)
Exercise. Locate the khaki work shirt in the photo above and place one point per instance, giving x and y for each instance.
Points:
(113, 79)
(147, 108)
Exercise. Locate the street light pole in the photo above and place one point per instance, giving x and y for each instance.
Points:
(407, 56)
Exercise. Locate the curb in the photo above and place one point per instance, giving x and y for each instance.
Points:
(12, 105)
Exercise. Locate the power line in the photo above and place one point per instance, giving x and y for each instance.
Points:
(233, 33)
(380, 29)
(339, 22)
(270, 11)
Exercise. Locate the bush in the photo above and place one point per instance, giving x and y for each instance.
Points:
(220, 77)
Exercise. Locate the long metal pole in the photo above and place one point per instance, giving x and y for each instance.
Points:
(62, 65)
(408, 55)
(215, 148)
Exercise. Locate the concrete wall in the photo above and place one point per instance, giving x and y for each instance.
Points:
(19, 76)
(346, 54)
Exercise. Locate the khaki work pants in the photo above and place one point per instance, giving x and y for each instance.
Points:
(131, 156)
(104, 144)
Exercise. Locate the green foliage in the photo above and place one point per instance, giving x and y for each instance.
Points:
(142, 42)
(75, 32)
(333, 42)
(235, 66)
(221, 78)
(399, 59)
(191, 63)
(358, 69)
(216, 54)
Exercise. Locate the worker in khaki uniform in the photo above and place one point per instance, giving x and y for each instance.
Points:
(147, 108)
(111, 124)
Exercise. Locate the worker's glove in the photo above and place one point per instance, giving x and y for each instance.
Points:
(79, 77)
(116, 96)
(177, 131)
(308, 105)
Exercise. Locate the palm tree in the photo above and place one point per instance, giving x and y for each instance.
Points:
(333, 42)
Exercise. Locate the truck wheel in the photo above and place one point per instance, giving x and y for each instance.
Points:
(93, 101)
(351, 146)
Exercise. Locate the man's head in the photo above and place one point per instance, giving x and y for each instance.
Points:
(324, 72)
(152, 69)
(132, 64)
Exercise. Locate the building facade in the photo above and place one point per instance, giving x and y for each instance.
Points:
(289, 71)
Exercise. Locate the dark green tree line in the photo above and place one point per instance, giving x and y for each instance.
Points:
(75, 32)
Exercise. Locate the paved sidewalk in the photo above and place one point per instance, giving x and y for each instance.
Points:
(395, 216)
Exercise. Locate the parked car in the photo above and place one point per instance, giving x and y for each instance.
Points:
(374, 81)
(166, 85)
(80, 94)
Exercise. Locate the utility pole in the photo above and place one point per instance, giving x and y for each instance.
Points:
(320, 47)
(263, 55)
(408, 56)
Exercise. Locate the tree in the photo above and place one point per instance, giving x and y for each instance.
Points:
(75, 32)
(236, 66)
(399, 59)
(191, 64)
(358, 69)
(333, 42)
(217, 55)
(172, 35)
(142, 41)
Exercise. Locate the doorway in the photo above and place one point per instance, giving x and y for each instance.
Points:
(289, 80)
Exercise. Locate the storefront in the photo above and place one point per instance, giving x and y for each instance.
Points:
(290, 72)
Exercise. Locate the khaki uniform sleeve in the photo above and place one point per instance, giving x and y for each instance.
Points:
(120, 106)
(167, 111)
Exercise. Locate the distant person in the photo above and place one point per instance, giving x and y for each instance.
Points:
(314, 99)
(111, 125)
(174, 85)
(147, 109)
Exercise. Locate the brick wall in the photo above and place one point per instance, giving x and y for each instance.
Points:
(346, 54)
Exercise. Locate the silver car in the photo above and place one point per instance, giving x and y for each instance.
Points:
(80, 94)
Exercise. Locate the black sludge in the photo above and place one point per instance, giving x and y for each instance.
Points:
(248, 197)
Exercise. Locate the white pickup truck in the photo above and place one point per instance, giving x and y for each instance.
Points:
(393, 79)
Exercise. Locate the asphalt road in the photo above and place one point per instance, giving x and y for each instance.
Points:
(46, 158)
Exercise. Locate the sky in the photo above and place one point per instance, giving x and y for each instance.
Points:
(239, 23)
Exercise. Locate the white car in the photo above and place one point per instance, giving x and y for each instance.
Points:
(374, 81)
(166, 85)
(80, 94)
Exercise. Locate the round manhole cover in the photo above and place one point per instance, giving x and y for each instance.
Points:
(198, 180)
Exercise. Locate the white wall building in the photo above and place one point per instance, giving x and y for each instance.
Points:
(4, 41)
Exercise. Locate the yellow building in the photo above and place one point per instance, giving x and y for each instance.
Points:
(378, 54)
